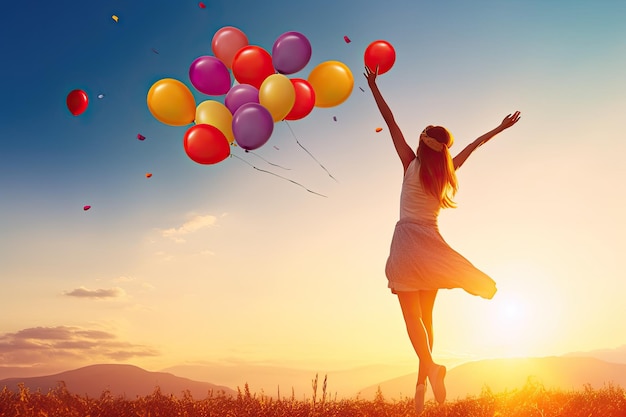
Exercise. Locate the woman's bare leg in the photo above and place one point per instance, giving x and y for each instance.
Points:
(410, 303)
(427, 301)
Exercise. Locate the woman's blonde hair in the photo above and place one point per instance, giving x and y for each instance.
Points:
(437, 173)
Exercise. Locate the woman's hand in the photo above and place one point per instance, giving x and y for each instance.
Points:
(370, 76)
(509, 120)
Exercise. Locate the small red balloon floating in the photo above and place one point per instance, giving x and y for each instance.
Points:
(86, 208)
(77, 102)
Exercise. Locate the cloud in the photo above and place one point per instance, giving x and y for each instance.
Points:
(101, 293)
(50, 345)
(192, 225)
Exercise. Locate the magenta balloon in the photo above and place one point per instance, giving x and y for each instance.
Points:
(210, 76)
(239, 95)
(291, 52)
(252, 126)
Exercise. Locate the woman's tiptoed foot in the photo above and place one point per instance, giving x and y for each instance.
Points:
(436, 376)
(420, 396)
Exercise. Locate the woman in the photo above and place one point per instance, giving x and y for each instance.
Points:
(420, 261)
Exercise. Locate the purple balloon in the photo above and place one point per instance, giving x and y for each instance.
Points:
(239, 95)
(291, 52)
(210, 76)
(252, 126)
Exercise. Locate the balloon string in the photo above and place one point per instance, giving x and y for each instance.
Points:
(279, 176)
(310, 154)
(276, 165)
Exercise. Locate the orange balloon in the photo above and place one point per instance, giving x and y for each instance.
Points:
(332, 82)
(252, 65)
(171, 102)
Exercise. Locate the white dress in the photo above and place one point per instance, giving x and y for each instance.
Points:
(419, 257)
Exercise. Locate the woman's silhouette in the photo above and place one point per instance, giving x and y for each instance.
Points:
(420, 261)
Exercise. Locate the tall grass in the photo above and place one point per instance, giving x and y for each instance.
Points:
(532, 400)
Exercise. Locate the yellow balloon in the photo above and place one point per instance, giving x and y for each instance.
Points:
(171, 102)
(278, 95)
(332, 82)
(216, 114)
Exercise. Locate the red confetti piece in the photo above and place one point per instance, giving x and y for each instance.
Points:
(202, 6)
(140, 136)
(347, 39)
(86, 208)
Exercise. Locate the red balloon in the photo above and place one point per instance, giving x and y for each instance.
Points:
(77, 102)
(305, 99)
(252, 65)
(206, 144)
(380, 53)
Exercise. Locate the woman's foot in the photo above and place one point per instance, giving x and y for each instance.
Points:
(436, 375)
(420, 396)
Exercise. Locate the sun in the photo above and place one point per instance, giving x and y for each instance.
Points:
(517, 319)
(510, 313)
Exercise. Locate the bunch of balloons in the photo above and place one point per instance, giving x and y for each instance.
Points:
(263, 95)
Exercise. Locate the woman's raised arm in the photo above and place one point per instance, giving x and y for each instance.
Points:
(507, 122)
(405, 152)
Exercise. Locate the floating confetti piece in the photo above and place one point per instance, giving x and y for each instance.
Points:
(379, 129)
(276, 147)
(86, 208)
(155, 51)
(140, 136)
(114, 17)
(148, 174)
(202, 6)
(361, 88)
(335, 118)
(347, 39)
(100, 96)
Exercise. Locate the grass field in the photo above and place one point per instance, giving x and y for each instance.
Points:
(531, 400)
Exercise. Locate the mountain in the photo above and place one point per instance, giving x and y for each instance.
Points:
(565, 373)
(121, 380)
(617, 355)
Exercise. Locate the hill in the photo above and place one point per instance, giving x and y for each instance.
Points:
(121, 380)
(617, 355)
(566, 373)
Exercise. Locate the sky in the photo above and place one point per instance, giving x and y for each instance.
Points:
(236, 262)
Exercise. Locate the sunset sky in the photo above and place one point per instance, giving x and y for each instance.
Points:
(228, 264)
